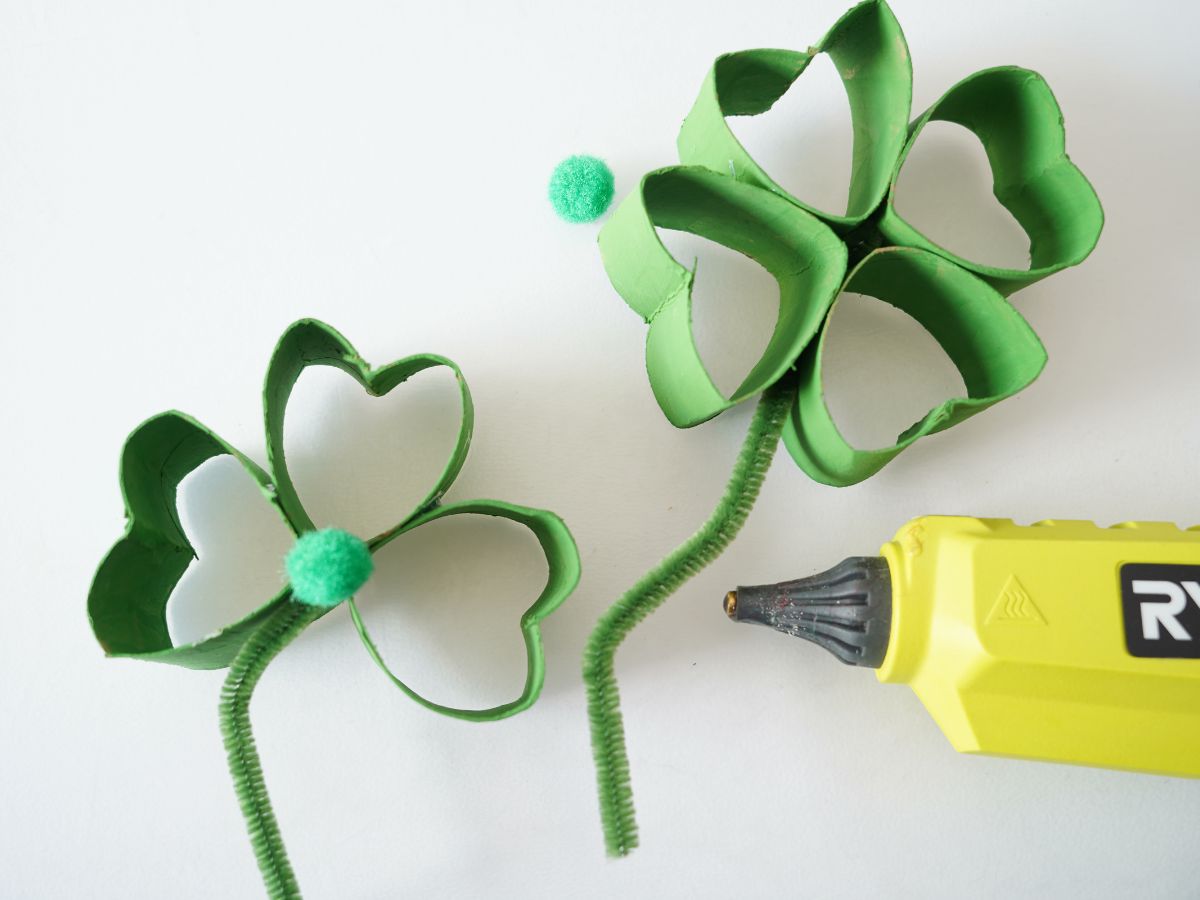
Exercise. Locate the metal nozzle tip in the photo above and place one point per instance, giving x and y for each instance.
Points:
(731, 604)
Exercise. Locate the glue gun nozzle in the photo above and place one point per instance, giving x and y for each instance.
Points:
(846, 610)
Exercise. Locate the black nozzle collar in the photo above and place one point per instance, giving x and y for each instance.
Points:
(847, 610)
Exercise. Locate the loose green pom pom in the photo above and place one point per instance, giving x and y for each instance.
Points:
(326, 567)
(581, 188)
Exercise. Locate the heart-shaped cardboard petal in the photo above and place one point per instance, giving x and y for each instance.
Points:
(993, 347)
(562, 562)
(313, 343)
(1015, 116)
(806, 258)
(127, 604)
(871, 56)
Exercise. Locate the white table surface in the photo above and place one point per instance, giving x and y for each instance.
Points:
(180, 181)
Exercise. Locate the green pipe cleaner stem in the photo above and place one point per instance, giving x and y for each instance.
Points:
(651, 591)
(279, 630)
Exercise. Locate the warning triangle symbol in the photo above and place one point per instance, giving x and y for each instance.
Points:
(1015, 605)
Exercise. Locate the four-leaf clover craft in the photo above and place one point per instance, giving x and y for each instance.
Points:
(127, 604)
(720, 193)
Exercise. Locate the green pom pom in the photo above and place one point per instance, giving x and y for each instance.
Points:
(326, 567)
(581, 188)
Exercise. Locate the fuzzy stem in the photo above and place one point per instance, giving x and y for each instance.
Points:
(279, 630)
(604, 702)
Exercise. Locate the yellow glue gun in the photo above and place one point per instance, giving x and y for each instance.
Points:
(1059, 641)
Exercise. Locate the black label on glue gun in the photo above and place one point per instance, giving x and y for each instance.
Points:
(1161, 606)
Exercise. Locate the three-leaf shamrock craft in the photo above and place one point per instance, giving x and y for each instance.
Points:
(720, 193)
(128, 601)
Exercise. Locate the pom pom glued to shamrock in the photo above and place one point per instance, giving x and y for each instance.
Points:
(328, 566)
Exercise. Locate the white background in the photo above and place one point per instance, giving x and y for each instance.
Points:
(179, 181)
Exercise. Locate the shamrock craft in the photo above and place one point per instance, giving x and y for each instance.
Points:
(128, 599)
(720, 193)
